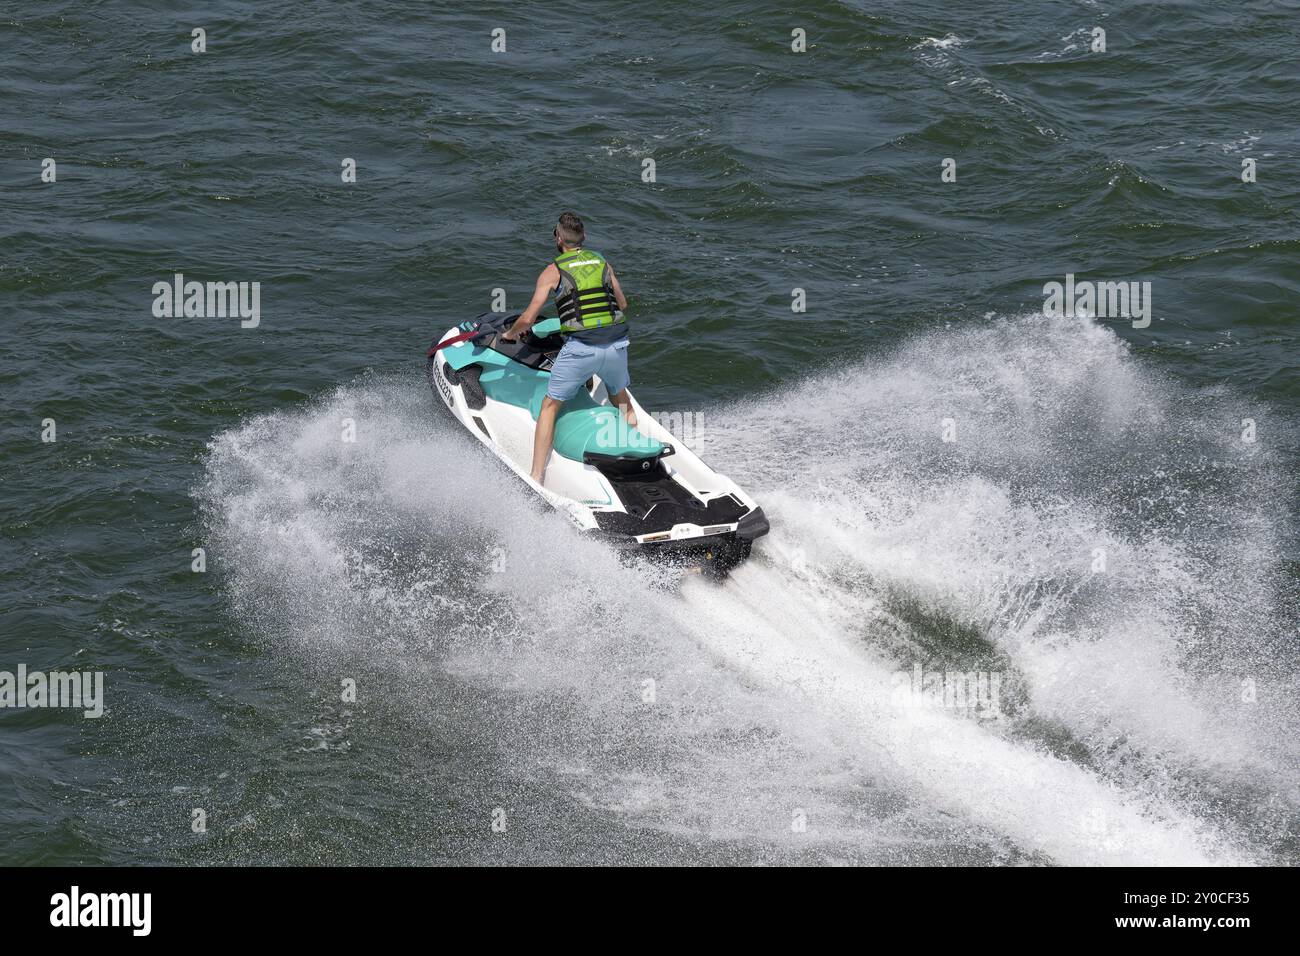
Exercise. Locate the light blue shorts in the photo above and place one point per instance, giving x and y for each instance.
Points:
(579, 361)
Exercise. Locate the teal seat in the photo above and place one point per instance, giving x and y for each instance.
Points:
(583, 426)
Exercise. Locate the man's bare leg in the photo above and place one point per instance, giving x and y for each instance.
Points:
(544, 436)
(624, 401)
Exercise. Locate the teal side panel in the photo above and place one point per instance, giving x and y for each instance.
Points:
(518, 386)
(472, 353)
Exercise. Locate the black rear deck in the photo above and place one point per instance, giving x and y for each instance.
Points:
(655, 502)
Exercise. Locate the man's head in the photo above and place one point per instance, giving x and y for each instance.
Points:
(569, 232)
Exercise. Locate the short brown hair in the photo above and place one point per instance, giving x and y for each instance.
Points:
(570, 230)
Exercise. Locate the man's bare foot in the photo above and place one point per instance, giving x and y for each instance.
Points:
(630, 416)
(538, 478)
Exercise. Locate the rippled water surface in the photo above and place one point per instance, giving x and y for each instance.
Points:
(501, 663)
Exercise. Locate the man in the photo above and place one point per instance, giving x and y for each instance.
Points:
(591, 305)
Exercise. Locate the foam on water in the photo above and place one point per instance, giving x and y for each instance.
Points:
(726, 712)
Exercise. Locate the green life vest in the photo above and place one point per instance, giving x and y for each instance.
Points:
(585, 295)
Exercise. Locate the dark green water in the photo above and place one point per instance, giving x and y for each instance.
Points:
(523, 690)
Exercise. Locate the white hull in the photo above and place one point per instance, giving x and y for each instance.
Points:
(676, 505)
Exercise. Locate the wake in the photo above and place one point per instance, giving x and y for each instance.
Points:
(1094, 534)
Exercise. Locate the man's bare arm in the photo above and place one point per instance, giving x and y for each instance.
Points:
(619, 297)
(545, 283)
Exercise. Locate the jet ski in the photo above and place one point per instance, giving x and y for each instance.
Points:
(636, 488)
